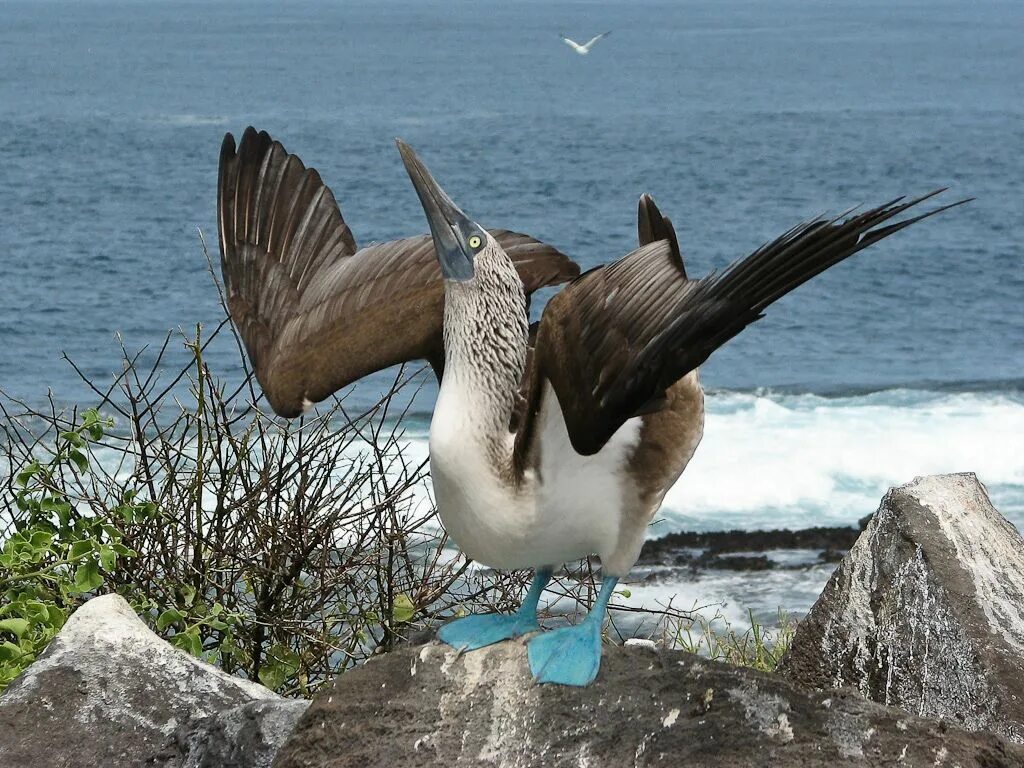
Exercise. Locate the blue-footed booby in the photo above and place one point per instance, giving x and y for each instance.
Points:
(547, 444)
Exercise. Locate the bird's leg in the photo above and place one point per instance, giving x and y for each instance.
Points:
(572, 655)
(474, 632)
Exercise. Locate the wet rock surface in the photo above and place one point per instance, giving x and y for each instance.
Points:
(747, 550)
(109, 692)
(429, 706)
(926, 612)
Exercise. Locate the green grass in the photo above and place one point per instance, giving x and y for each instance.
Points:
(760, 647)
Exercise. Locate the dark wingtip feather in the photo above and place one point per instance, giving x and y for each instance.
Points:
(646, 210)
(227, 147)
(747, 287)
(652, 226)
(225, 188)
(877, 234)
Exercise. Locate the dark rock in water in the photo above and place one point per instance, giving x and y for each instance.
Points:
(430, 706)
(108, 692)
(666, 550)
(831, 556)
(926, 612)
(739, 562)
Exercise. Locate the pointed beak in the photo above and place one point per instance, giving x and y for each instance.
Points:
(449, 226)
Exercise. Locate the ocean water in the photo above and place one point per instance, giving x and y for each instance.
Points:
(742, 117)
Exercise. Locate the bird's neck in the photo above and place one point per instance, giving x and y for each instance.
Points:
(485, 338)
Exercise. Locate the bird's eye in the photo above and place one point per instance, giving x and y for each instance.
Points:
(475, 241)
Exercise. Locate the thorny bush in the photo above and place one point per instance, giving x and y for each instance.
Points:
(283, 552)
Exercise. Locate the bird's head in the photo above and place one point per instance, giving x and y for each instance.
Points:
(461, 244)
(485, 320)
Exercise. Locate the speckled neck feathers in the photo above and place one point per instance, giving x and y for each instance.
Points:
(485, 339)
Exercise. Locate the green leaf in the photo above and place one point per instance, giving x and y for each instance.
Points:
(87, 577)
(189, 640)
(50, 503)
(10, 652)
(79, 459)
(230, 648)
(282, 654)
(108, 558)
(272, 676)
(403, 610)
(167, 618)
(27, 473)
(16, 627)
(40, 539)
(57, 616)
(281, 663)
(37, 611)
(189, 593)
(81, 548)
(125, 512)
(74, 438)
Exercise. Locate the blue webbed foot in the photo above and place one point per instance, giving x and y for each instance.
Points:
(572, 655)
(474, 632)
(567, 656)
(477, 631)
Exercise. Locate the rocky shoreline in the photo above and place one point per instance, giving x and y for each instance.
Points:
(739, 550)
(912, 656)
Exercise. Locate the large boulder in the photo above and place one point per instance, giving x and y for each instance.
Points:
(108, 692)
(430, 706)
(926, 612)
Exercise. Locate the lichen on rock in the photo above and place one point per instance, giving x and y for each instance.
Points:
(926, 612)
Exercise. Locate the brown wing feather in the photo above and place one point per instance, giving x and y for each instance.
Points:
(315, 313)
(615, 339)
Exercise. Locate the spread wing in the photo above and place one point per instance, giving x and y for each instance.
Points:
(314, 312)
(615, 339)
(570, 42)
(590, 43)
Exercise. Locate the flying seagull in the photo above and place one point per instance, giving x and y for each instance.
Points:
(584, 49)
(547, 444)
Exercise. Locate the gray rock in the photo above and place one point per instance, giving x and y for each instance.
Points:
(247, 736)
(926, 612)
(428, 706)
(109, 692)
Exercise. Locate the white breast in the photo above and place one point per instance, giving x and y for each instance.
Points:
(486, 516)
(581, 498)
(571, 508)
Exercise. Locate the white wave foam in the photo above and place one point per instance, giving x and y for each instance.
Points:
(769, 461)
(188, 120)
